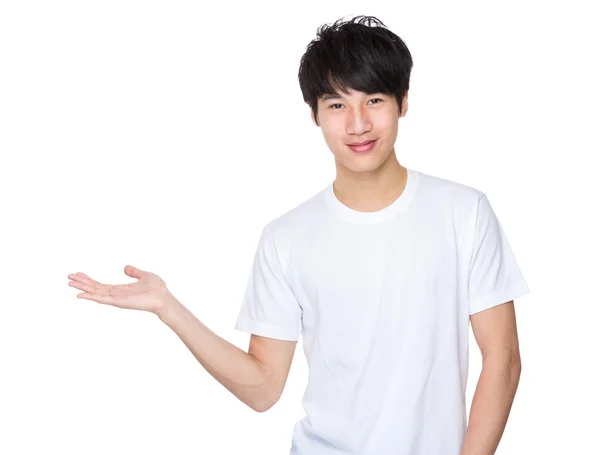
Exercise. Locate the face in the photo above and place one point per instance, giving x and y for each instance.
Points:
(359, 117)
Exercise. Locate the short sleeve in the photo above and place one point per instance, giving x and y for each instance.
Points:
(494, 275)
(269, 307)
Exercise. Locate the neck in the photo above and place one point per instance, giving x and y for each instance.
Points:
(371, 191)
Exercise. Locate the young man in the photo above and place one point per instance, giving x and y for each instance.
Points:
(381, 272)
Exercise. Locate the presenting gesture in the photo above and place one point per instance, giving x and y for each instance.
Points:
(148, 293)
(242, 373)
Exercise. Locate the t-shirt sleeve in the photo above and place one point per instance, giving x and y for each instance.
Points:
(494, 275)
(269, 307)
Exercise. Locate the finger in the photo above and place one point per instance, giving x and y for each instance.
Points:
(83, 278)
(134, 272)
(83, 286)
(105, 299)
(103, 289)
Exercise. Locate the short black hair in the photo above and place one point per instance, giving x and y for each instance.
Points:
(354, 55)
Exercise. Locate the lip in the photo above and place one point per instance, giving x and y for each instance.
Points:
(366, 146)
(362, 143)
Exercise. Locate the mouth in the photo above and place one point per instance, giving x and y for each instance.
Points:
(362, 147)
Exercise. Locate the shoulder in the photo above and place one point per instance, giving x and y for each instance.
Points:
(296, 220)
(291, 231)
(444, 192)
(440, 186)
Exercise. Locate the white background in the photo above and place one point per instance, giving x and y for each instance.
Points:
(165, 135)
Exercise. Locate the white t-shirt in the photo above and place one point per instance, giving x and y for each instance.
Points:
(382, 300)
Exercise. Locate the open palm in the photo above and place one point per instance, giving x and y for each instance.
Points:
(147, 294)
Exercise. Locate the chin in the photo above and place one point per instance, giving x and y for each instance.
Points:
(359, 167)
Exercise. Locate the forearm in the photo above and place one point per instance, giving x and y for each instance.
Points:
(238, 371)
(491, 405)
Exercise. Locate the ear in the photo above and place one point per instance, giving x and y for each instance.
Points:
(404, 105)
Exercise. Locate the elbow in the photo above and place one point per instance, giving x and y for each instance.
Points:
(267, 402)
(263, 407)
(516, 364)
(518, 368)
(515, 370)
(509, 364)
(268, 394)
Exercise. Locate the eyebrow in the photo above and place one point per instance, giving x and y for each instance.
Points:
(337, 96)
(331, 97)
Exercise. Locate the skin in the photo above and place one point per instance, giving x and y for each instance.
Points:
(495, 331)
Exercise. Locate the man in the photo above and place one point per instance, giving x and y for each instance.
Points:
(381, 272)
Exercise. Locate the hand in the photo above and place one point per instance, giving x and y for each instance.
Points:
(149, 293)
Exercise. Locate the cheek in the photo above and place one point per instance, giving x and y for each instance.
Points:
(332, 134)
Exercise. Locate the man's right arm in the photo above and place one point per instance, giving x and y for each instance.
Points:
(256, 379)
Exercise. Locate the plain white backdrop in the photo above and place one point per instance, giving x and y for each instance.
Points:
(165, 135)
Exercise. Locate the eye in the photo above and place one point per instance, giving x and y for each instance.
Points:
(338, 104)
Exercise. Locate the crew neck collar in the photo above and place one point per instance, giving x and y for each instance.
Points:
(400, 204)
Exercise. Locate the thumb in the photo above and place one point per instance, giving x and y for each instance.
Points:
(133, 272)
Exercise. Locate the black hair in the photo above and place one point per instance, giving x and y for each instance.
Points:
(354, 55)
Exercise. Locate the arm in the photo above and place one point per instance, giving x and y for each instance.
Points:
(256, 377)
(495, 331)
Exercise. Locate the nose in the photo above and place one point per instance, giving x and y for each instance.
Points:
(358, 123)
